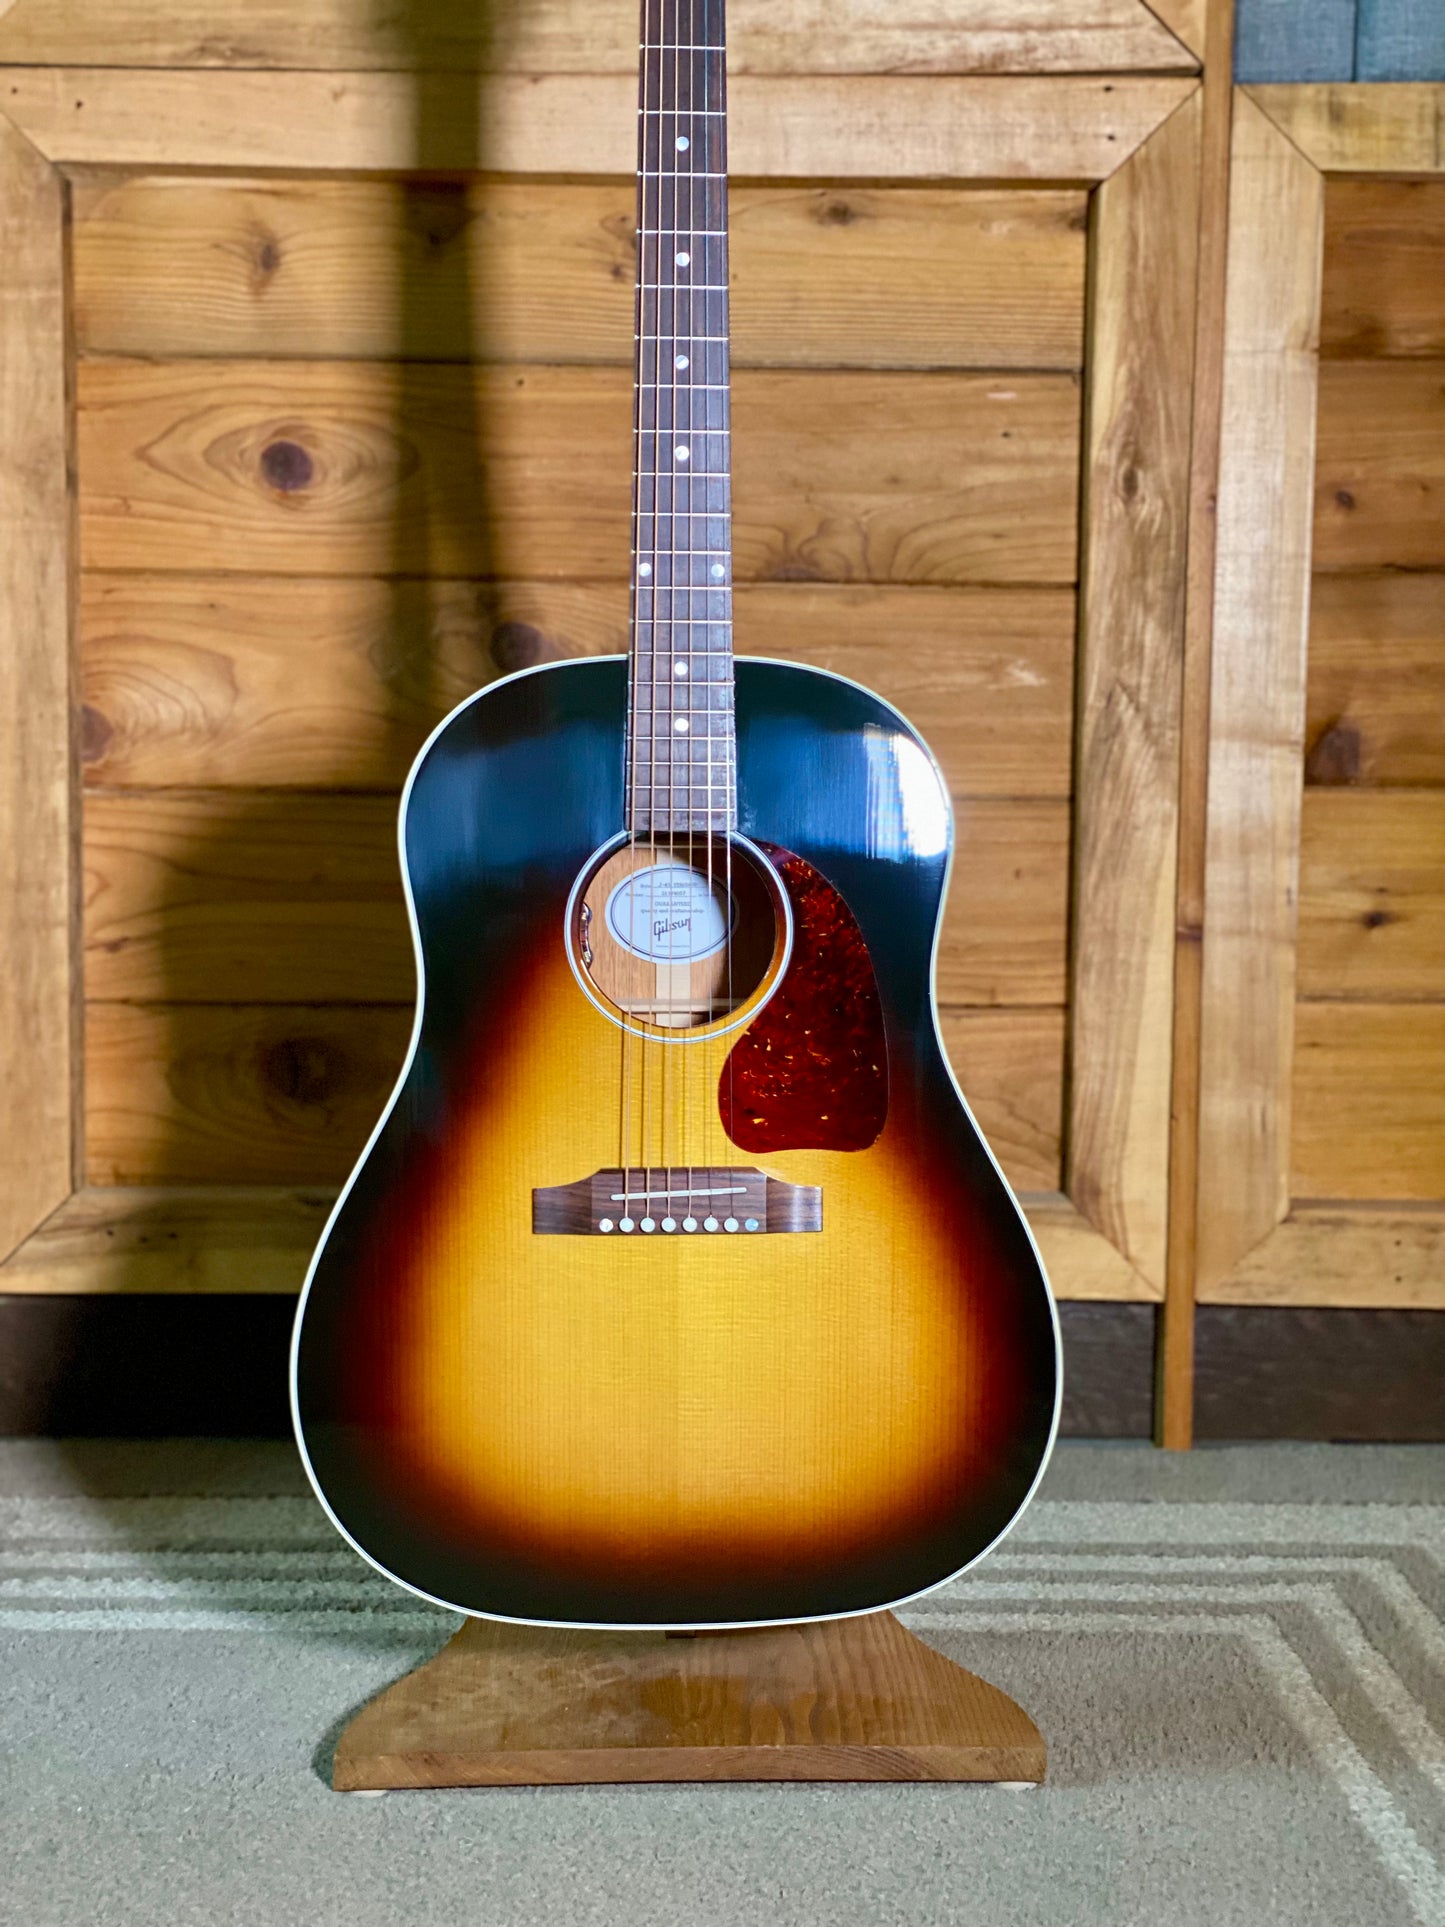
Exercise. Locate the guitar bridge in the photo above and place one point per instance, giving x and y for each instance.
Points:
(678, 1201)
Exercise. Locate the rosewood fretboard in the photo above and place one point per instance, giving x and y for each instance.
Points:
(680, 733)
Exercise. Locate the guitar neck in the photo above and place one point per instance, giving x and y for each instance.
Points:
(681, 754)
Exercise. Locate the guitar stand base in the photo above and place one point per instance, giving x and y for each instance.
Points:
(840, 1699)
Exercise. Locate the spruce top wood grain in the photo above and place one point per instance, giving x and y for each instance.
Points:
(542, 271)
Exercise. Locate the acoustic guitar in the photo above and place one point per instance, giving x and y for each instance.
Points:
(676, 1286)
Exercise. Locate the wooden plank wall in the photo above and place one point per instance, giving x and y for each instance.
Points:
(38, 1038)
(294, 559)
(1369, 1085)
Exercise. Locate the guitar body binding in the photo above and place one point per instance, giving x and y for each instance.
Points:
(679, 1428)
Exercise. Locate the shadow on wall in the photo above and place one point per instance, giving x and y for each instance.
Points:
(267, 1062)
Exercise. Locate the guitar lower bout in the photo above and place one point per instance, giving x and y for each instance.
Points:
(704, 1423)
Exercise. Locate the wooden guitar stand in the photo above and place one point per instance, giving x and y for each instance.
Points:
(841, 1699)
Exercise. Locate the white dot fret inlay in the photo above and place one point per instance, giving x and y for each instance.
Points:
(683, 143)
(679, 669)
(718, 571)
(683, 260)
(681, 725)
(682, 361)
(644, 568)
(683, 453)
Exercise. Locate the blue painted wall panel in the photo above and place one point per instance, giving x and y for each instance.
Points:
(1296, 39)
(1400, 40)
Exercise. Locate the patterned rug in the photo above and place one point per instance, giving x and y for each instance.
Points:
(1238, 1659)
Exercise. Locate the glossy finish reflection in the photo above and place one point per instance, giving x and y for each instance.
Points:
(672, 1430)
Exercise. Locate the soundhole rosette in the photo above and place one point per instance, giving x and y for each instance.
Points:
(679, 938)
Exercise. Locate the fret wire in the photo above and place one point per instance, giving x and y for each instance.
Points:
(699, 784)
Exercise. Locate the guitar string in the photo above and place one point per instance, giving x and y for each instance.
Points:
(639, 543)
(639, 1016)
(668, 292)
(641, 546)
(678, 753)
(725, 355)
(710, 223)
(643, 1046)
(692, 222)
(660, 1050)
(655, 514)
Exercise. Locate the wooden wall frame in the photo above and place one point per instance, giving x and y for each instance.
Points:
(1256, 1246)
(1135, 140)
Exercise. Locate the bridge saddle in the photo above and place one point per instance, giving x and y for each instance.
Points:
(676, 1200)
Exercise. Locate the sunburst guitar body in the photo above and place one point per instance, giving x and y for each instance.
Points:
(677, 1287)
(519, 1413)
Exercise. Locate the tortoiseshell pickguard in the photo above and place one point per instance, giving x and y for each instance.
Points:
(812, 1073)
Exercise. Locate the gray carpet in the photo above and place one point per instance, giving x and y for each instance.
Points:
(1237, 1657)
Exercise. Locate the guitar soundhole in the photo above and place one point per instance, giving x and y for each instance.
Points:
(679, 934)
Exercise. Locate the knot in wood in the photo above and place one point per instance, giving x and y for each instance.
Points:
(438, 211)
(517, 645)
(287, 466)
(1336, 757)
(95, 734)
(303, 1070)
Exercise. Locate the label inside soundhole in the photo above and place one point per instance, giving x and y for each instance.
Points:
(669, 914)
